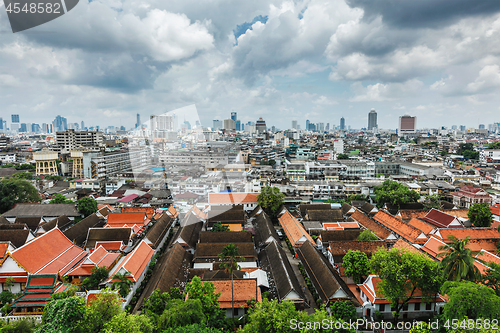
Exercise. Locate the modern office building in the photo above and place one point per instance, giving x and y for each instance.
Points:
(138, 123)
(342, 123)
(294, 124)
(229, 124)
(162, 126)
(60, 124)
(71, 140)
(372, 120)
(407, 124)
(260, 125)
(234, 116)
(217, 125)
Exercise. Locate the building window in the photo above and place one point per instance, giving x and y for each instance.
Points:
(428, 306)
(405, 307)
(417, 306)
(381, 307)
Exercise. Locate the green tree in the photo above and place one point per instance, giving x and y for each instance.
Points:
(180, 313)
(471, 154)
(342, 157)
(394, 193)
(122, 283)
(194, 328)
(491, 277)
(270, 199)
(355, 197)
(58, 198)
(123, 323)
(424, 328)
(23, 175)
(458, 260)
(230, 256)
(205, 292)
(403, 273)
(63, 315)
(480, 215)
(13, 191)
(464, 147)
(344, 310)
(432, 201)
(219, 227)
(19, 326)
(97, 275)
(87, 206)
(356, 265)
(157, 302)
(471, 300)
(101, 310)
(494, 145)
(367, 235)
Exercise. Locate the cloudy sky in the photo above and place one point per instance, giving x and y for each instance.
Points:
(107, 60)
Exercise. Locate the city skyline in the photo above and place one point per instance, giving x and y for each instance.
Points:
(336, 59)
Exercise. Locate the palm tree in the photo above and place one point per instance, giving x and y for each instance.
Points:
(458, 260)
(231, 256)
(122, 283)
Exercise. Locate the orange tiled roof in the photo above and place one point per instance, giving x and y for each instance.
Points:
(406, 231)
(441, 219)
(234, 227)
(349, 225)
(368, 223)
(474, 233)
(135, 262)
(408, 214)
(3, 249)
(457, 212)
(53, 252)
(421, 225)
(149, 211)
(233, 197)
(431, 247)
(243, 290)
(172, 211)
(126, 218)
(404, 245)
(495, 209)
(488, 257)
(294, 230)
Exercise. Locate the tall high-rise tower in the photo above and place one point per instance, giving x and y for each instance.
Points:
(372, 120)
(138, 123)
(294, 124)
(234, 116)
(342, 123)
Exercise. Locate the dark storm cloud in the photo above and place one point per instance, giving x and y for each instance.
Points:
(424, 13)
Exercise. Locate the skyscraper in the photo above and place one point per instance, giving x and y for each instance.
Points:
(260, 125)
(229, 124)
(294, 124)
(60, 124)
(238, 125)
(82, 126)
(15, 118)
(138, 123)
(217, 125)
(407, 124)
(342, 123)
(1, 123)
(372, 120)
(307, 125)
(234, 116)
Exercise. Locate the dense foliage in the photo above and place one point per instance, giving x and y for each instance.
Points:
(458, 260)
(13, 191)
(367, 235)
(87, 206)
(394, 193)
(480, 215)
(470, 300)
(270, 199)
(58, 198)
(344, 310)
(356, 265)
(219, 227)
(467, 151)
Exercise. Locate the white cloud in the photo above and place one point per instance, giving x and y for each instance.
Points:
(385, 92)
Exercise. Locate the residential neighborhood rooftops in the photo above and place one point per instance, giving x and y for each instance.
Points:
(441, 219)
(232, 198)
(37, 210)
(406, 231)
(368, 223)
(295, 232)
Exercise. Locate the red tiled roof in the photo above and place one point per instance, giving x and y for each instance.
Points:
(441, 220)
(173, 212)
(149, 211)
(294, 230)
(406, 231)
(495, 209)
(51, 252)
(128, 198)
(471, 192)
(404, 245)
(136, 261)
(3, 249)
(473, 233)
(243, 290)
(368, 223)
(421, 225)
(431, 247)
(126, 218)
(233, 197)
(110, 246)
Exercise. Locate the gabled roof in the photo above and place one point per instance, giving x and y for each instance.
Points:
(129, 198)
(304, 207)
(38, 210)
(368, 247)
(284, 281)
(339, 235)
(421, 225)
(126, 218)
(135, 262)
(31, 221)
(189, 232)
(408, 214)
(264, 229)
(16, 234)
(232, 198)
(229, 216)
(347, 209)
(237, 293)
(495, 209)
(404, 245)
(55, 253)
(368, 223)
(210, 251)
(99, 258)
(173, 212)
(38, 291)
(61, 222)
(107, 234)
(473, 233)
(471, 192)
(157, 232)
(325, 278)
(226, 237)
(171, 270)
(368, 208)
(431, 247)
(441, 220)
(406, 231)
(78, 232)
(149, 211)
(331, 215)
(295, 232)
